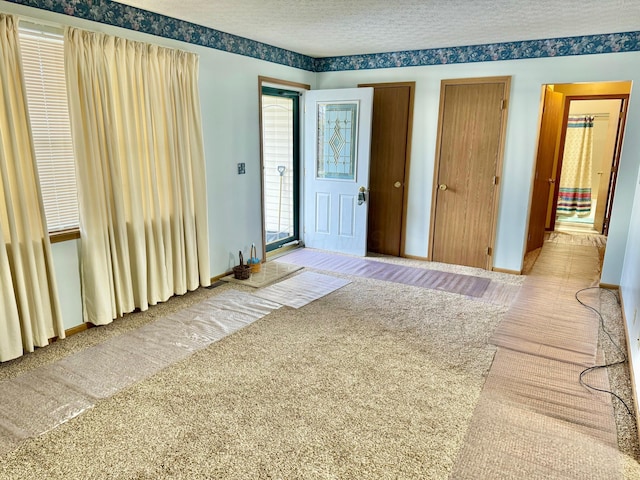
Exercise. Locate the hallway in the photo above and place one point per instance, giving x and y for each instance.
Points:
(534, 419)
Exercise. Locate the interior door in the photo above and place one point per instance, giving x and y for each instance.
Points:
(336, 169)
(608, 182)
(390, 150)
(471, 139)
(543, 179)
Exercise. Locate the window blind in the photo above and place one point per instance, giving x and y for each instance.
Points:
(43, 65)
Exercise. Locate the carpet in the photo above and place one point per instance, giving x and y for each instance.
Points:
(300, 290)
(540, 422)
(535, 421)
(372, 381)
(270, 272)
(546, 319)
(44, 398)
(419, 277)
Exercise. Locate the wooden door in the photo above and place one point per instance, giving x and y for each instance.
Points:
(470, 148)
(608, 182)
(543, 177)
(390, 149)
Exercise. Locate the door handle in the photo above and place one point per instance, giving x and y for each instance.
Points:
(551, 180)
(442, 187)
(361, 195)
(397, 184)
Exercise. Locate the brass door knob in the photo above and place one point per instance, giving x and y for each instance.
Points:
(397, 184)
(442, 187)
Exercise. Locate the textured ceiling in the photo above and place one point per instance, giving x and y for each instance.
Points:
(322, 28)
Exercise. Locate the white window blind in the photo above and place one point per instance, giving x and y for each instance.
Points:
(43, 64)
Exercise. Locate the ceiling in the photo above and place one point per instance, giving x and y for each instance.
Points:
(322, 28)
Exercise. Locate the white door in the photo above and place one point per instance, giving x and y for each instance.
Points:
(336, 169)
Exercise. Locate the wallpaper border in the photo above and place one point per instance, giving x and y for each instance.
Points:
(116, 14)
(554, 47)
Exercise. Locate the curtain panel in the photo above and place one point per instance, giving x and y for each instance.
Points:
(29, 308)
(137, 133)
(574, 194)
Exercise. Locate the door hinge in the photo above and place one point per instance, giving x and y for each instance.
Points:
(495, 180)
(503, 104)
(489, 251)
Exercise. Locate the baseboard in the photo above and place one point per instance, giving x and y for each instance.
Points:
(415, 257)
(632, 376)
(610, 286)
(222, 275)
(506, 270)
(77, 329)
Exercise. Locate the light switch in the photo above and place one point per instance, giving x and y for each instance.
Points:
(241, 170)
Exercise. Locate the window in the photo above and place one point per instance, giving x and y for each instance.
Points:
(43, 65)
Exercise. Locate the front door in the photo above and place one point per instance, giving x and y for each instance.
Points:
(336, 169)
(471, 143)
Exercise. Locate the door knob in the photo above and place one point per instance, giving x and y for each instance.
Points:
(361, 195)
(397, 184)
(442, 187)
(551, 180)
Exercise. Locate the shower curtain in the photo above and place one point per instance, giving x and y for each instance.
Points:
(574, 197)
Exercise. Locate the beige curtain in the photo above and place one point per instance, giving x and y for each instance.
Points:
(29, 309)
(136, 127)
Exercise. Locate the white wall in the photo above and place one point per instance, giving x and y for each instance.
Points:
(67, 271)
(630, 287)
(229, 99)
(528, 76)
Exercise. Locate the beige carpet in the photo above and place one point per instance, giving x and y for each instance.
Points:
(375, 380)
(44, 398)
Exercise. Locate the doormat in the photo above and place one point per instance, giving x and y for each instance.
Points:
(269, 273)
(302, 289)
(418, 277)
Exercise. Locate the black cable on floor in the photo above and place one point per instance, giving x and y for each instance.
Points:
(612, 364)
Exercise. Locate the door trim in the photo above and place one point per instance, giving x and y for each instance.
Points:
(407, 161)
(506, 81)
(267, 81)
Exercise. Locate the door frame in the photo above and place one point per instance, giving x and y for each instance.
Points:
(506, 80)
(407, 160)
(615, 161)
(273, 82)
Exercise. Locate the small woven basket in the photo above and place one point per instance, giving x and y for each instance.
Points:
(242, 271)
(254, 261)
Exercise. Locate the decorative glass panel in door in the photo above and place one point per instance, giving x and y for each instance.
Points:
(337, 141)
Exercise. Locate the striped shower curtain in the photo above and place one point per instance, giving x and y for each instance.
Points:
(574, 197)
